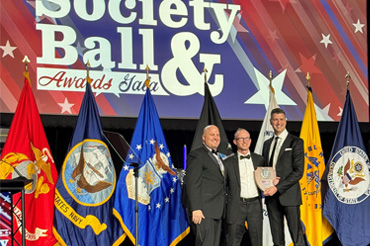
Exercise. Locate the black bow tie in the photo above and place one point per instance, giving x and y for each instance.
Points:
(215, 152)
(245, 156)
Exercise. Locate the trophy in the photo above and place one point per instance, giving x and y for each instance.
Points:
(264, 177)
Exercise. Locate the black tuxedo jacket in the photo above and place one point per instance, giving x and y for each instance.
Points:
(289, 167)
(233, 184)
(204, 184)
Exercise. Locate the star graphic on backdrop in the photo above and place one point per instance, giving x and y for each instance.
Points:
(66, 106)
(358, 26)
(80, 49)
(308, 65)
(8, 49)
(167, 199)
(340, 112)
(323, 114)
(7, 199)
(283, 3)
(273, 36)
(337, 57)
(262, 95)
(348, 9)
(138, 147)
(326, 40)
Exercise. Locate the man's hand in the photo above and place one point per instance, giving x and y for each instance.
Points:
(276, 181)
(198, 216)
(270, 191)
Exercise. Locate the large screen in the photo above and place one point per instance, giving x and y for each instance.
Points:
(174, 42)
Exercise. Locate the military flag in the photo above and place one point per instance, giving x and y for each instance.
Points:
(161, 217)
(347, 203)
(27, 150)
(211, 116)
(84, 195)
(317, 228)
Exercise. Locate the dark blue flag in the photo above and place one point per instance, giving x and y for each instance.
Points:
(162, 218)
(347, 202)
(84, 194)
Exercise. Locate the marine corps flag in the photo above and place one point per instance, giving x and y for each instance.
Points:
(161, 216)
(347, 202)
(211, 116)
(84, 194)
(27, 150)
(317, 228)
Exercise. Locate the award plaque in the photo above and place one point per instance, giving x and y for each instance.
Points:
(264, 177)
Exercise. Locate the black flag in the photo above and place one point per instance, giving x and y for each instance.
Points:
(211, 116)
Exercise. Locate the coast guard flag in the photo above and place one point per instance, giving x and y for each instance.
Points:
(162, 218)
(316, 226)
(347, 202)
(266, 131)
(211, 116)
(84, 194)
(27, 150)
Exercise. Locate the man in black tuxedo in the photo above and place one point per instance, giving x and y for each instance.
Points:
(244, 198)
(284, 152)
(204, 189)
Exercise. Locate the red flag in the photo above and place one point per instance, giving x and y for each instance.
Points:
(27, 150)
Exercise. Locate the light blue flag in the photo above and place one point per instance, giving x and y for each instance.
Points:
(84, 194)
(347, 202)
(162, 218)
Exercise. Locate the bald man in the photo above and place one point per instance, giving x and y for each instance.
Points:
(204, 189)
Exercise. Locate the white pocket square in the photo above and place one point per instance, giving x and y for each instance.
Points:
(288, 149)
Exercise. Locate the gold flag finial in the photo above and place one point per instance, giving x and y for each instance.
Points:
(26, 74)
(88, 79)
(205, 71)
(348, 76)
(147, 69)
(270, 77)
(308, 77)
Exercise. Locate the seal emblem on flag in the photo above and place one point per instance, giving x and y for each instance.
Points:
(88, 174)
(348, 175)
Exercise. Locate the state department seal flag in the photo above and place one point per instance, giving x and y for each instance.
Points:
(84, 195)
(317, 228)
(27, 150)
(162, 218)
(347, 202)
(211, 116)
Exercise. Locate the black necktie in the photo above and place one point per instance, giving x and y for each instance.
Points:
(273, 152)
(245, 156)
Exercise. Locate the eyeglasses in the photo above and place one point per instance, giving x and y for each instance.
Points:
(243, 139)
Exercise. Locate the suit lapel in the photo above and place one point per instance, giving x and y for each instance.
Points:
(284, 146)
(214, 160)
(236, 168)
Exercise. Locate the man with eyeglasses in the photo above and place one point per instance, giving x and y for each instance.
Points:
(244, 198)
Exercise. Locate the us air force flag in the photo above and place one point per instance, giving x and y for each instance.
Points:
(84, 194)
(162, 218)
(347, 202)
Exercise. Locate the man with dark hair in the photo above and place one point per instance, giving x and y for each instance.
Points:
(244, 198)
(204, 189)
(284, 152)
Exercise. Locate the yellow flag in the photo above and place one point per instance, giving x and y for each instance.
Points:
(317, 228)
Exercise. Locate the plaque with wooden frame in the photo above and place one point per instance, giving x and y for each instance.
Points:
(264, 177)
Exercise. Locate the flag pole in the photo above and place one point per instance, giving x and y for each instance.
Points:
(348, 76)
